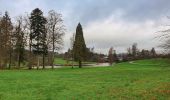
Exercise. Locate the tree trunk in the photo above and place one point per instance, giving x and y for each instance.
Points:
(72, 63)
(0, 62)
(80, 64)
(18, 61)
(38, 62)
(5, 65)
(53, 48)
(30, 55)
(72, 58)
(53, 60)
(10, 58)
(49, 60)
(43, 61)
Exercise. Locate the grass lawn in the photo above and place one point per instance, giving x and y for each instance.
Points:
(122, 81)
(61, 61)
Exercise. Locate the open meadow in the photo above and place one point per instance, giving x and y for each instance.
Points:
(85, 50)
(141, 80)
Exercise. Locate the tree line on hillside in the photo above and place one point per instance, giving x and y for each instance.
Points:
(30, 40)
(133, 53)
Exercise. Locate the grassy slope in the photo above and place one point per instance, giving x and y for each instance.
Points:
(159, 62)
(123, 81)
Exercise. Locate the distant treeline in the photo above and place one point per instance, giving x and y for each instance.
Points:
(133, 53)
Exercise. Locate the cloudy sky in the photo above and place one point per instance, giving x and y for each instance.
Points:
(106, 23)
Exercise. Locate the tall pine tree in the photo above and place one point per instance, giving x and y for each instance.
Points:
(79, 47)
(38, 34)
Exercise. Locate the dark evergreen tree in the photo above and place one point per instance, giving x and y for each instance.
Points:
(79, 47)
(153, 52)
(134, 49)
(115, 58)
(110, 56)
(38, 34)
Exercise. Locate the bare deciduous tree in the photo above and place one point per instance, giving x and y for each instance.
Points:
(56, 31)
(19, 39)
(28, 38)
(165, 39)
(6, 40)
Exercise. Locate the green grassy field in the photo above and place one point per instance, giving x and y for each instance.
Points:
(61, 61)
(147, 81)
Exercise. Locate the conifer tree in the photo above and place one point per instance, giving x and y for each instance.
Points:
(38, 34)
(153, 52)
(79, 47)
(110, 56)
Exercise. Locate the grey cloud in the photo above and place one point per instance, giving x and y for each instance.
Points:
(91, 11)
(136, 10)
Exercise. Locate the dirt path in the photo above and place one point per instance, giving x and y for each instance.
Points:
(132, 62)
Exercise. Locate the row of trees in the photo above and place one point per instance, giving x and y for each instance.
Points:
(30, 37)
(133, 53)
(137, 53)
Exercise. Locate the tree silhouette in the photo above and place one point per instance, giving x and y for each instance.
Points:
(38, 34)
(79, 47)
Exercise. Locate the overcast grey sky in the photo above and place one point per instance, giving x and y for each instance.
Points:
(106, 23)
